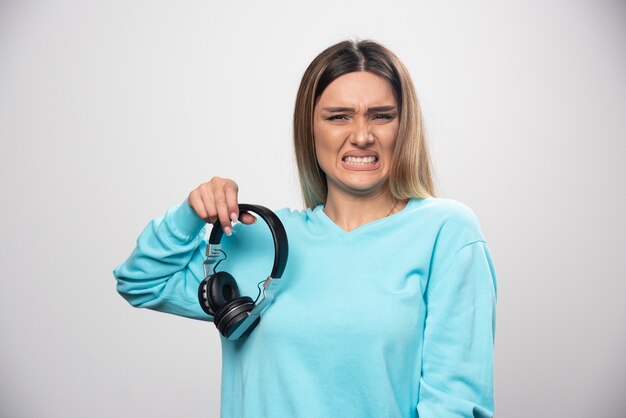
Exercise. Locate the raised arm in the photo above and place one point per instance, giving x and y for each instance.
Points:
(165, 269)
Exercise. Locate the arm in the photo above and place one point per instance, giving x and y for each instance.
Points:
(457, 362)
(165, 269)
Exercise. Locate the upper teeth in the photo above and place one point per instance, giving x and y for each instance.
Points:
(361, 160)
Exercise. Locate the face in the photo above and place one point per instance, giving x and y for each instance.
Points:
(355, 124)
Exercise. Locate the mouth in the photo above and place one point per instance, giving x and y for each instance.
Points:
(370, 160)
(364, 163)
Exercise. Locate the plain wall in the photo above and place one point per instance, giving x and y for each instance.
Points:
(113, 111)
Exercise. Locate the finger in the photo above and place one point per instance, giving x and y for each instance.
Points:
(222, 210)
(247, 218)
(209, 205)
(195, 202)
(231, 190)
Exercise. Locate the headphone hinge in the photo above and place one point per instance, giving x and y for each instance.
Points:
(270, 286)
(213, 253)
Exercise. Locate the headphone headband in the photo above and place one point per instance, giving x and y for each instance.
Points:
(281, 248)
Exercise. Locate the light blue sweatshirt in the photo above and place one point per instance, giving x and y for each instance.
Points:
(393, 319)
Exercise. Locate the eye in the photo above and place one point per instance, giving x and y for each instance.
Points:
(383, 116)
(337, 117)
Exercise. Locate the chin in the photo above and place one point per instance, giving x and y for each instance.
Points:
(362, 188)
(358, 183)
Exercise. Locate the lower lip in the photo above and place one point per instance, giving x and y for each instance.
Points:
(361, 167)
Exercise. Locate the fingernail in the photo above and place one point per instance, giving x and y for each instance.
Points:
(233, 217)
(228, 231)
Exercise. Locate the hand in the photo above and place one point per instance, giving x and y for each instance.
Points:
(216, 200)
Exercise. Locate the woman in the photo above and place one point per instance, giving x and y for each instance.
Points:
(387, 308)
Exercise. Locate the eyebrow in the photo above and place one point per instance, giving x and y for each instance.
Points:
(351, 109)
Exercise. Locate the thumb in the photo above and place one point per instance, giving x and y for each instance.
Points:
(247, 218)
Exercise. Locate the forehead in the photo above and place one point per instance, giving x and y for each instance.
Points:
(358, 87)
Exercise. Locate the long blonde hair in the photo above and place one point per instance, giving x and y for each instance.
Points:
(411, 173)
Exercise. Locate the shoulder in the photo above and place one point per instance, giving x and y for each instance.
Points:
(456, 224)
(298, 220)
(287, 214)
(452, 213)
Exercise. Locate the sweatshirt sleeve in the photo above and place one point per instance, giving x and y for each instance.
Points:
(457, 362)
(164, 270)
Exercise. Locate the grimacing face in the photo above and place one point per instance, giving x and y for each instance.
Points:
(355, 126)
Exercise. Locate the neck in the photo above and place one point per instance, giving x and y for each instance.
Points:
(350, 211)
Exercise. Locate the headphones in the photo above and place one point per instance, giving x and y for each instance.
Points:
(218, 293)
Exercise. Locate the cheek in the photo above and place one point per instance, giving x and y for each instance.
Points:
(392, 135)
(323, 135)
(323, 154)
(326, 142)
(320, 148)
(389, 137)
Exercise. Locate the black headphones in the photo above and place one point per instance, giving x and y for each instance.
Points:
(218, 293)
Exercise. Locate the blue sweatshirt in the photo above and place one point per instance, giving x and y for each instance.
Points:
(393, 319)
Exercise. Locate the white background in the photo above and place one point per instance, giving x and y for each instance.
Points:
(113, 111)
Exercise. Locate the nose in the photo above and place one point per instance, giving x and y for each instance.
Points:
(361, 135)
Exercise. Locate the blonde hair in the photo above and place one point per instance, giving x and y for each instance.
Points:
(411, 173)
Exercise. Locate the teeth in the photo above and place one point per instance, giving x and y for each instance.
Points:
(360, 160)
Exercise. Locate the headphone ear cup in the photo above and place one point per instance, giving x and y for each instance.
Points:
(203, 297)
(231, 316)
(221, 289)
